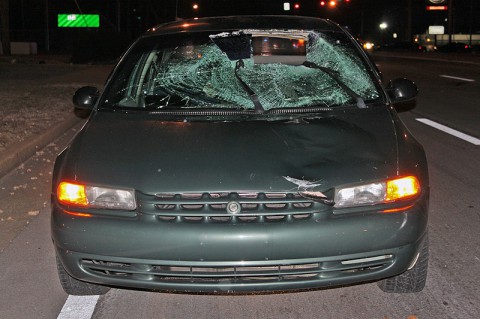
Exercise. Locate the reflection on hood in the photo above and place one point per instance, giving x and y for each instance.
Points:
(155, 156)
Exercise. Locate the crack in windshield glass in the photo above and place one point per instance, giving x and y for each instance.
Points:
(200, 75)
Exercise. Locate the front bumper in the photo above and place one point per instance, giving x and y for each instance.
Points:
(325, 250)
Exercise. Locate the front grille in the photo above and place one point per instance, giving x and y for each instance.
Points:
(212, 207)
(259, 273)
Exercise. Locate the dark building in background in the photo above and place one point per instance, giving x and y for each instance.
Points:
(121, 21)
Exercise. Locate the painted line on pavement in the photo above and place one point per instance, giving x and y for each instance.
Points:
(457, 78)
(78, 307)
(446, 129)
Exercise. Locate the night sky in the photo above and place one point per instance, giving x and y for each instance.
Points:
(362, 17)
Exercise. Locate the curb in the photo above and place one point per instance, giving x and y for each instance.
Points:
(35, 59)
(18, 153)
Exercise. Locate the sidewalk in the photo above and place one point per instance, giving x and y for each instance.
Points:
(36, 94)
(35, 59)
(18, 153)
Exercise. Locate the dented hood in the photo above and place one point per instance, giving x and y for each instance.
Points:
(152, 155)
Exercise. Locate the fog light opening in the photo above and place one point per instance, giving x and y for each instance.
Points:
(365, 260)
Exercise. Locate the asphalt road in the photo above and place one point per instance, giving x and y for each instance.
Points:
(449, 95)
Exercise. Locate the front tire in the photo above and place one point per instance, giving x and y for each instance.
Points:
(412, 280)
(76, 287)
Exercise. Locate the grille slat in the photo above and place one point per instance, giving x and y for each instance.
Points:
(240, 274)
(212, 207)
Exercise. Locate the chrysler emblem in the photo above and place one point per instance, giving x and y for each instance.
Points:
(233, 207)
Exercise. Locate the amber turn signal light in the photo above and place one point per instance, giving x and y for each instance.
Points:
(402, 188)
(72, 194)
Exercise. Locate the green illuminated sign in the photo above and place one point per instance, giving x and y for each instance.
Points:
(78, 20)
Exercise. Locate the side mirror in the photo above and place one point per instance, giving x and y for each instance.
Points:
(401, 90)
(86, 97)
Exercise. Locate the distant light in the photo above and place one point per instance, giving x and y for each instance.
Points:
(383, 25)
(78, 20)
(322, 3)
(333, 3)
(436, 29)
(368, 45)
(296, 6)
(286, 6)
(437, 8)
(395, 35)
(195, 6)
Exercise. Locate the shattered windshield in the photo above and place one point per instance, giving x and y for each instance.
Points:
(247, 70)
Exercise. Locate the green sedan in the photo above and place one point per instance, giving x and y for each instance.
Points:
(242, 154)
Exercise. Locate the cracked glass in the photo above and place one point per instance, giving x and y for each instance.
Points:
(190, 71)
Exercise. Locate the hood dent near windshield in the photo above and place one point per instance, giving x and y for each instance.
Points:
(204, 76)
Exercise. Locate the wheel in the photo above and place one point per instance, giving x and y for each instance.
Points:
(76, 287)
(412, 280)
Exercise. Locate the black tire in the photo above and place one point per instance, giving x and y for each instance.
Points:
(76, 287)
(412, 280)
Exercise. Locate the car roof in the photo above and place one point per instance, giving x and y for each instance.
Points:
(231, 23)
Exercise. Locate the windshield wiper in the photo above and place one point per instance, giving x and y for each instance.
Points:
(253, 96)
(333, 75)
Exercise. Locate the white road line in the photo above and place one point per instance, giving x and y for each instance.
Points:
(78, 307)
(457, 78)
(446, 129)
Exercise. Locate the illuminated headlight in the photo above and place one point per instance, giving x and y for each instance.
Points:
(376, 193)
(368, 45)
(95, 197)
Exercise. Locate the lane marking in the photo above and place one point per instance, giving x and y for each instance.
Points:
(78, 307)
(457, 78)
(446, 129)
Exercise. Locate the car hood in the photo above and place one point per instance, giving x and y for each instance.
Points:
(152, 155)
